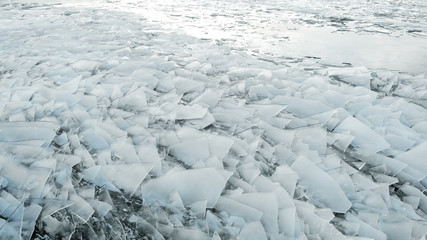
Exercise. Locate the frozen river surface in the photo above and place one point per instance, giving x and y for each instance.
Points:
(376, 34)
(213, 119)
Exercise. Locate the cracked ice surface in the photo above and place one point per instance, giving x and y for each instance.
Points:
(113, 126)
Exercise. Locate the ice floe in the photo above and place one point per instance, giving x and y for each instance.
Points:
(114, 127)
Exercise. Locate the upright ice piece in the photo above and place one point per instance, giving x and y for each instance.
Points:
(416, 157)
(236, 208)
(364, 229)
(321, 186)
(219, 146)
(364, 137)
(80, 208)
(286, 177)
(265, 203)
(148, 153)
(253, 231)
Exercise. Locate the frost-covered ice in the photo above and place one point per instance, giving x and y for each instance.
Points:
(192, 120)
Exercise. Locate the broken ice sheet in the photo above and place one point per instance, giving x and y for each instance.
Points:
(31, 180)
(185, 85)
(118, 176)
(23, 227)
(358, 76)
(265, 203)
(318, 182)
(301, 107)
(188, 234)
(148, 153)
(315, 137)
(31, 214)
(93, 140)
(192, 185)
(365, 137)
(81, 208)
(253, 230)
(145, 76)
(231, 113)
(10, 207)
(134, 101)
(233, 207)
(40, 134)
(122, 44)
(286, 177)
(316, 226)
(365, 230)
(125, 152)
(102, 208)
(198, 209)
(208, 99)
(340, 140)
(416, 157)
(145, 227)
(54, 205)
(191, 151)
(219, 146)
(207, 120)
(195, 111)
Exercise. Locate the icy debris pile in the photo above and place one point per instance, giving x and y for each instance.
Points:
(111, 129)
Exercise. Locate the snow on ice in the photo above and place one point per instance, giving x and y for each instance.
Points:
(115, 127)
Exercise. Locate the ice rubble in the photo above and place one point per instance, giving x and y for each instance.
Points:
(139, 132)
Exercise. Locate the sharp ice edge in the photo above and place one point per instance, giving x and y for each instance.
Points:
(114, 129)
